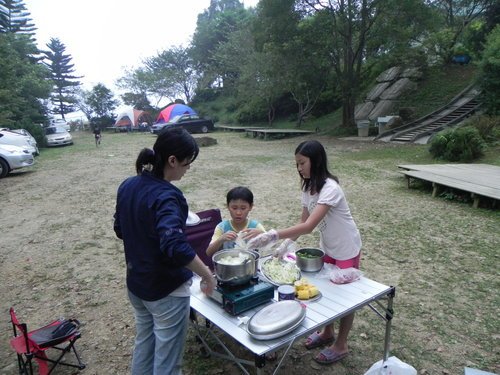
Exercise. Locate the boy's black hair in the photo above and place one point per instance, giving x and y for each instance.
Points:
(240, 192)
(319, 166)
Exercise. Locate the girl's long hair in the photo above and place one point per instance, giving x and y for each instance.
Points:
(177, 142)
(319, 166)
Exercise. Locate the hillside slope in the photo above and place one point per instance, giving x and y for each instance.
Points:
(438, 86)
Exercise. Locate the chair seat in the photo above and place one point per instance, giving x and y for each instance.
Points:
(54, 333)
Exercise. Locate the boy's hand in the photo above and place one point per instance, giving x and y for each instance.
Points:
(248, 234)
(229, 236)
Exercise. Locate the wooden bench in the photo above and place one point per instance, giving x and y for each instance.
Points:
(478, 186)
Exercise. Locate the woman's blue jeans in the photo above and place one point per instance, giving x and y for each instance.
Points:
(161, 328)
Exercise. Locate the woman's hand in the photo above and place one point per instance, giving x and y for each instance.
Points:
(207, 285)
(264, 239)
(287, 246)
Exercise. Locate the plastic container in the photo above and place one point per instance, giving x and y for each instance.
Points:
(286, 293)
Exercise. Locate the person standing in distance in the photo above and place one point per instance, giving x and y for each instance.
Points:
(150, 218)
(97, 135)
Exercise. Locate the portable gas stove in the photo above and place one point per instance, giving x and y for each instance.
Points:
(238, 298)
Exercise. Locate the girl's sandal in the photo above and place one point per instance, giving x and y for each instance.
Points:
(315, 341)
(328, 356)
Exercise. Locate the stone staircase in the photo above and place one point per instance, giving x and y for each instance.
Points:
(421, 130)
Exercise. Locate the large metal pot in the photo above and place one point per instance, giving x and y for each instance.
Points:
(234, 274)
(256, 254)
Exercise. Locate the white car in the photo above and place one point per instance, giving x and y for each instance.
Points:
(14, 157)
(61, 122)
(57, 136)
(9, 137)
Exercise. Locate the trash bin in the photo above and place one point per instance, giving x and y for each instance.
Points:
(381, 127)
(363, 127)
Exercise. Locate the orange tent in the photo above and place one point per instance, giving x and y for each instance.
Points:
(132, 117)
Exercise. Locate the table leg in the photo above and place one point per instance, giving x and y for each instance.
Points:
(388, 318)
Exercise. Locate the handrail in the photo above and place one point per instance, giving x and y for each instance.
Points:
(417, 124)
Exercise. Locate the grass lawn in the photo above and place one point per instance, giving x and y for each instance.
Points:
(59, 255)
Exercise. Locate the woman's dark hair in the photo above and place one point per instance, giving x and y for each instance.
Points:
(319, 166)
(240, 192)
(177, 142)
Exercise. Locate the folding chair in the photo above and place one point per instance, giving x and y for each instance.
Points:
(199, 235)
(60, 335)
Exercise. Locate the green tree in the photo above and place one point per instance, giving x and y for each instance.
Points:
(306, 71)
(255, 88)
(101, 100)
(174, 73)
(98, 105)
(14, 18)
(456, 16)
(62, 77)
(23, 85)
(140, 84)
(213, 28)
(397, 35)
(489, 76)
(138, 101)
(352, 23)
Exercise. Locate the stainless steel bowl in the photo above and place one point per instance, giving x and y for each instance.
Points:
(234, 274)
(311, 259)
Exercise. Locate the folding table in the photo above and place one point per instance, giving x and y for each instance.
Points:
(336, 302)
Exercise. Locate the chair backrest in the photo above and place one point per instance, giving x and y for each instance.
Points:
(16, 324)
(199, 235)
(23, 344)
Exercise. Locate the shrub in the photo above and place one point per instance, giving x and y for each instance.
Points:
(488, 127)
(461, 144)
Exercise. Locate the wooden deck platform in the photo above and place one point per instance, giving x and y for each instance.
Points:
(264, 132)
(481, 180)
(231, 128)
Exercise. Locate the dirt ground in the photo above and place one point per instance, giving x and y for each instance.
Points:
(59, 255)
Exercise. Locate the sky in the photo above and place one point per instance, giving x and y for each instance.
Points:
(105, 37)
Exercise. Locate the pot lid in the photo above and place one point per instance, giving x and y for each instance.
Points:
(276, 320)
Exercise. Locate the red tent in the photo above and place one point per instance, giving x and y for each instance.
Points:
(172, 110)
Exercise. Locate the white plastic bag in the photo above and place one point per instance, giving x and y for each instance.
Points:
(393, 366)
(339, 275)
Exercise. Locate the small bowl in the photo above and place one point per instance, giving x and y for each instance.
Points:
(311, 259)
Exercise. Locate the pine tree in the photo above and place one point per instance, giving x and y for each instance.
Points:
(62, 76)
(14, 18)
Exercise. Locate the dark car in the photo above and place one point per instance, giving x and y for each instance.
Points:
(192, 123)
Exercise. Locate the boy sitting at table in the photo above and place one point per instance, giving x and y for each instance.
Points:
(235, 232)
